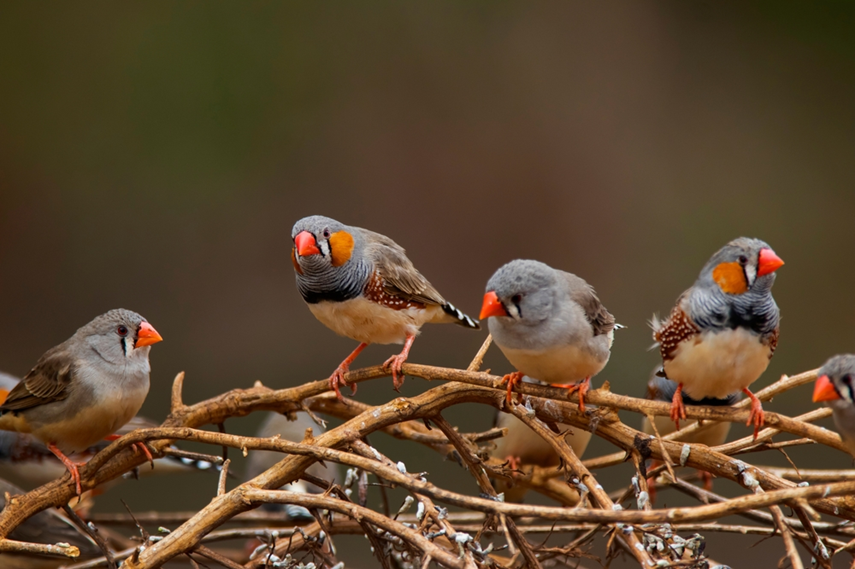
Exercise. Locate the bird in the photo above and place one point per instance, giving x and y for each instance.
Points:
(660, 388)
(86, 388)
(549, 324)
(522, 446)
(361, 285)
(723, 331)
(834, 388)
(47, 527)
(294, 430)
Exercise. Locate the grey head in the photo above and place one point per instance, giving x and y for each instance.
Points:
(121, 337)
(530, 304)
(834, 386)
(734, 288)
(329, 260)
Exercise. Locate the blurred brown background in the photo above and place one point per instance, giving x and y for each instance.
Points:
(155, 156)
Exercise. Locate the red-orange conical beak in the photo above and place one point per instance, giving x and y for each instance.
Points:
(824, 390)
(769, 262)
(492, 306)
(3, 395)
(147, 335)
(305, 243)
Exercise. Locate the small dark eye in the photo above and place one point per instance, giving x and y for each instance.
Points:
(742, 259)
(516, 299)
(326, 233)
(122, 330)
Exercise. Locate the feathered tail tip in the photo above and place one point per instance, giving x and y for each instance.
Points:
(619, 326)
(461, 318)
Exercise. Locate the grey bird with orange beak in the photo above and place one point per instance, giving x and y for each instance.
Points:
(86, 388)
(361, 285)
(834, 387)
(549, 324)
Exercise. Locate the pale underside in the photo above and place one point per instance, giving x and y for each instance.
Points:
(718, 364)
(556, 364)
(366, 321)
(711, 436)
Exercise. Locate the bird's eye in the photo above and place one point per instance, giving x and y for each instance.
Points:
(122, 330)
(742, 259)
(326, 233)
(516, 298)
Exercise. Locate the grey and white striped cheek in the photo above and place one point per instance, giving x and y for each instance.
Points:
(750, 274)
(324, 246)
(513, 311)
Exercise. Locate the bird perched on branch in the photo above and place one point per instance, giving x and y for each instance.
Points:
(549, 324)
(834, 387)
(660, 388)
(361, 284)
(522, 446)
(723, 331)
(86, 388)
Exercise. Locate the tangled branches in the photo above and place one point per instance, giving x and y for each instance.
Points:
(484, 530)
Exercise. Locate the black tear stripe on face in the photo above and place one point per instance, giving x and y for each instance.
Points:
(125, 346)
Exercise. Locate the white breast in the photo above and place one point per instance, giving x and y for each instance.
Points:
(366, 321)
(717, 364)
(530, 448)
(557, 364)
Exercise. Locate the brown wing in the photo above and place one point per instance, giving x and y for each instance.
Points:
(673, 331)
(45, 383)
(400, 277)
(583, 294)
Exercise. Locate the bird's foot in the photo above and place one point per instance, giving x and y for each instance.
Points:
(707, 478)
(678, 410)
(513, 462)
(582, 387)
(756, 416)
(512, 379)
(337, 380)
(395, 364)
(136, 446)
(71, 466)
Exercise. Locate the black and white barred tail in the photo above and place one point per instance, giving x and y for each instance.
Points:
(460, 318)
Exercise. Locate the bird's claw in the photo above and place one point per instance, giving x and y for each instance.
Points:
(512, 379)
(582, 387)
(337, 380)
(395, 365)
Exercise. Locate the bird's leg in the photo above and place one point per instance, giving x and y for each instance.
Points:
(396, 362)
(651, 482)
(513, 462)
(582, 387)
(678, 410)
(136, 446)
(70, 465)
(707, 478)
(756, 416)
(512, 379)
(337, 377)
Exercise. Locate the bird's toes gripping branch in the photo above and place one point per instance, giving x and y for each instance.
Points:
(395, 363)
(512, 379)
(756, 417)
(582, 387)
(678, 410)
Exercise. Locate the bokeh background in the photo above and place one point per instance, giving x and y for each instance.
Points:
(155, 156)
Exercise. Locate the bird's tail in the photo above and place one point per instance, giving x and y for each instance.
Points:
(460, 318)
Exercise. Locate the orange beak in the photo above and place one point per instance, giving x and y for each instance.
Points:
(305, 243)
(147, 335)
(3, 395)
(769, 262)
(824, 390)
(492, 306)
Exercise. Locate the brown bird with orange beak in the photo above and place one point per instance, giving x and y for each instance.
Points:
(86, 388)
(361, 285)
(723, 331)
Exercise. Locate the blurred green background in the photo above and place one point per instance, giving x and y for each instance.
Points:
(155, 155)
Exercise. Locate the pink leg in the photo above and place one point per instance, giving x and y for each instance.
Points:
(512, 379)
(70, 465)
(337, 377)
(136, 447)
(396, 362)
(582, 387)
(756, 417)
(678, 410)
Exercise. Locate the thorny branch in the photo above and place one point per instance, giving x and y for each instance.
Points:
(466, 539)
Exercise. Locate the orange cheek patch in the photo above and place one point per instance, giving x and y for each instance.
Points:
(3, 395)
(730, 278)
(341, 247)
(294, 260)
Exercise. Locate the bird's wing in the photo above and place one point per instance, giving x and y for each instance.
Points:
(583, 294)
(47, 382)
(400, 277)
